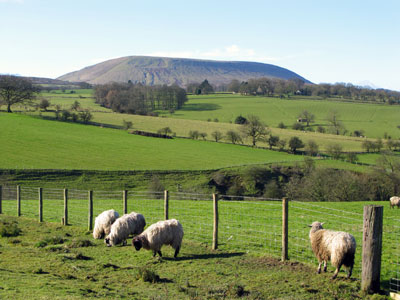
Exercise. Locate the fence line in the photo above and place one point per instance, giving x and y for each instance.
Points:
(250, 224)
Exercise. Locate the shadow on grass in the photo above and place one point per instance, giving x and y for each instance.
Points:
(200, 107)
(205, 256)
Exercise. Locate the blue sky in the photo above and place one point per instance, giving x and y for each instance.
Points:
(323, 41)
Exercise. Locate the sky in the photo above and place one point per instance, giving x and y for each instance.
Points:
(324, 41)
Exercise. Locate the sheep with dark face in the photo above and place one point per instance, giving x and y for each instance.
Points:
(103, 222)
(128, 224)
(337, 246)
(169, 232)
(394, 201)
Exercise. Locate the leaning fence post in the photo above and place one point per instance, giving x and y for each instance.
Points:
(125, 201)
(40, 204)
(65, 219)
(166, 204)
(372, 248)
(1, 199)
(215, 231)
(90, 216)
(285, 228)
(18, 200)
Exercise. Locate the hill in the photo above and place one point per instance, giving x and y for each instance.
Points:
(162, 70)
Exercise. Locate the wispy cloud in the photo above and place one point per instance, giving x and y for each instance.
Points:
(232, 52)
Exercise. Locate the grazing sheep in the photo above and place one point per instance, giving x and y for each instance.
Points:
(103, 222)
(337, 246)
(168, 232)
(394, 201)
(128, 224)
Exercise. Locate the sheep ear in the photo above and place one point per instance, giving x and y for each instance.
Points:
(309, 225)
(322, 223)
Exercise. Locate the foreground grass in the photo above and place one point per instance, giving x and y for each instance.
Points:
(64, 269)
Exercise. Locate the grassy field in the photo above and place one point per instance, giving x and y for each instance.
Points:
(375, 120)
(248, 231)
(33, 143)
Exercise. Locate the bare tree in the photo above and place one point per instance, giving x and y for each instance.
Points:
(307, 117)
(336, 125)
(255, 129)
(14, 89)
(216, 135)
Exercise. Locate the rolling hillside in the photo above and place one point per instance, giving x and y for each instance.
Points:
(162, 70)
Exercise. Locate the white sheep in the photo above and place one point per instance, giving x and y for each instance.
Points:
(103, 222)
(337, 246)
(394, 201)
(128, 224)
(169, 232)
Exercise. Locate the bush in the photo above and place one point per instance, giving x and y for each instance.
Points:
(240, 120)
(281, 125)
(85, 116)
(193, 134)
(297, 126)
(321, 129)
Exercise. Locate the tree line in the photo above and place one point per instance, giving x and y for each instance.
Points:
(285, 88)
(139, 99)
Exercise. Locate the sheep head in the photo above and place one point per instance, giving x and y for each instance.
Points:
(137, 243)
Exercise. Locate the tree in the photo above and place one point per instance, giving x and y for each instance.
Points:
(85, 116)
(76, 105)
(312, 148)
(233, 136)
(307, 117)
(14, 89)
(351, 157)
(272, 141)
(216, 135)
(336, 125)
(281, 145)
(255, 129)
(335, 150)
(193, 134)
(295, 143)
(203, 135)
(165, 130)
(204, 88)
(127, 124)
(44, 104)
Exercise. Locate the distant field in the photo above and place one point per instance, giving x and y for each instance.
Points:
(32, 143)
(374, 119)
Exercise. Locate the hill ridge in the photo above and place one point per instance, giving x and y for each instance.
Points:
(152, 70)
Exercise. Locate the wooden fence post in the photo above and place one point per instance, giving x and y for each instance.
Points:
(285, 228)
(372, 248)
(166, 205)
(215, 231)
(1, 199)
(90, 216)
(65, 219)
(18, 200)
(125, 201)
(40, 205)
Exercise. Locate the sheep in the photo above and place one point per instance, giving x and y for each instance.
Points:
(394, 201)
(128, 224)
(169, 232)
(337, 246)
(103, 222)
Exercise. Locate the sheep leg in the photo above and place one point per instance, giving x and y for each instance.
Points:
(336, 272)
(325, 265)
(124, 243)
(154, 253)
(176, 252)
(159, 253)
(350, 272)
(319, 267)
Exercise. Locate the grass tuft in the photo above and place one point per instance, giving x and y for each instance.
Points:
(147, 275)
(9, 229)
(81, 243)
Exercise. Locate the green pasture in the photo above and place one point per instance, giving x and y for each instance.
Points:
(33, 143)
(247, 226)
(374, 119)
(49, 261)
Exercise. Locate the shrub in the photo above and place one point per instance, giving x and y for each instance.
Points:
(321, 129)
(335, 150)
(240, 120)
(193, 134)
(297, 126)
(281, 125)
(85, 116)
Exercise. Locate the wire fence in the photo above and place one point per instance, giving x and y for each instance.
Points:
(246, 224)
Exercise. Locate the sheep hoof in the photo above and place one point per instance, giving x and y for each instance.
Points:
(334, 276)
(318, 271)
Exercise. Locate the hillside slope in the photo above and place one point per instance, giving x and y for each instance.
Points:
(162, 70)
